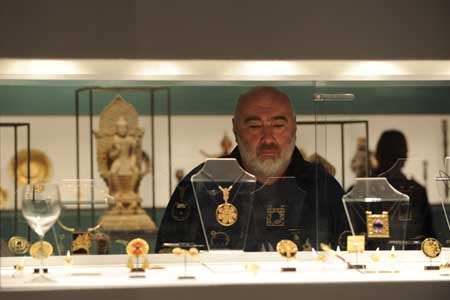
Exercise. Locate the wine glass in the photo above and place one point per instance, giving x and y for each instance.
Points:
(41, 207)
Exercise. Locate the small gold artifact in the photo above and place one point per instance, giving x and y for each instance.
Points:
(252, 268)
(68, 260)
(18, 245)
(316, 256)
(377, 225)
(40, 167)
(392, 255)
(376, 257)
(40, 250)
(19, 267)
(137, 248)
(3, 197)
(355, 243)
(226, 213)
(81, 243)
(431, 247)
(287, 248)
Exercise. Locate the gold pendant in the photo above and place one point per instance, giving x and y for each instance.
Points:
(287, 248)
(41, 250)
(377, 225)
(431, 247)
(226, 214)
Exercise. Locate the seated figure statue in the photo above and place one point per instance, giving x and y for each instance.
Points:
(120, 159)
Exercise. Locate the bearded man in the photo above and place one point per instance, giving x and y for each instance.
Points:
(264, 125)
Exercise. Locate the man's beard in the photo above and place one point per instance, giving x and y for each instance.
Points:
(269, 167)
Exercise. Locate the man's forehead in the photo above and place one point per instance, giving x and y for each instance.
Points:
(267, 107)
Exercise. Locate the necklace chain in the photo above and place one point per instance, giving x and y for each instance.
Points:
(226, 190)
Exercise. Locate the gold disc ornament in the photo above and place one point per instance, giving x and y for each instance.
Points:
(40, 167)
(287, 248)
(18, 245)
(137, 248)
(226, 214)
(41, 250)
(431, 247)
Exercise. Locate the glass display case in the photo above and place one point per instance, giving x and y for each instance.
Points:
(337, 187)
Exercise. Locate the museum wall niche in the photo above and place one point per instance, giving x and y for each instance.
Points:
(119, 153)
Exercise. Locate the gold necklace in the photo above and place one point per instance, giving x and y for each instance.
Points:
(226, 213)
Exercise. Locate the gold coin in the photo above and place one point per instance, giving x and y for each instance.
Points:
(137, 247)
(18, 245)
(431, 247)
(287, 248)
(226, 214)
(41, 250)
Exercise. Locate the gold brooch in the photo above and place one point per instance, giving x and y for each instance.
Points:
(377, 225)
(431, 247)
(287, 248)
(137, 248)
(81, 243)
(18, 245)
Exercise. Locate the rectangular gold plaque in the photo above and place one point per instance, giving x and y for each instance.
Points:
(377, 225)
(355, 243)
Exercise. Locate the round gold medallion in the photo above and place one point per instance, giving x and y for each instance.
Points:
(40, 167)
(287, 248)
(41, 250)
(431, 247)
(226, 214)
(137, 248)
(18, 245)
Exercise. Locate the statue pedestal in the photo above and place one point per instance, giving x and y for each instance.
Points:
(128, 221)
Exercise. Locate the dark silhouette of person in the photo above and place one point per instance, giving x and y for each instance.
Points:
(391, 154)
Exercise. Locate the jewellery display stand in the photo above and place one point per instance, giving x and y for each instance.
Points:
(280, 212)
(16, 127)
(224, 197)
(376, 210)
(443, 186)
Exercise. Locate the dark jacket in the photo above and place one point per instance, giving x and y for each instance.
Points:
(313, 210)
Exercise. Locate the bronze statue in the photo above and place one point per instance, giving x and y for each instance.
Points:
(120, 158)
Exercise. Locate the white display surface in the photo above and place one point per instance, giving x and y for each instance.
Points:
(227, 277)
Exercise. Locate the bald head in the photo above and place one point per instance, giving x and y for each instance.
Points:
(263, 96)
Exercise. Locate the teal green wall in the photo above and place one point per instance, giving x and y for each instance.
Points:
(58, 99)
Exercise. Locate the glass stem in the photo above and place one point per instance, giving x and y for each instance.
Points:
(41, 269)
